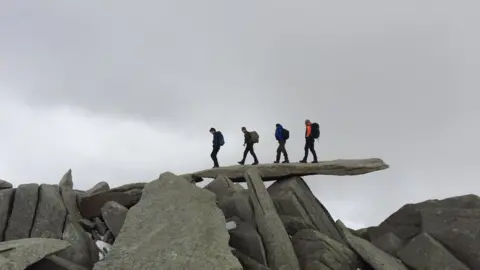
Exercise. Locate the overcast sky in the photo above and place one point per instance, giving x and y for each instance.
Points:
(121, 91)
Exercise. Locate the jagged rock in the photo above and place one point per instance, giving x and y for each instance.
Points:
(91, 206)
(192, 178)
(278, 248)
(389, 243)
(270, 172)
(238, 205)
(362, 233)
(109, 238)
(304, 206)
(87, 224)
(175, 225)
(295, 224)
(375, 257)
(405, 222)
(247, 262)
(6, 202)
(82, 250)
(19, 254)
(222, 187)
(458, 230)
(425, 253)
(114, 215)
(314, 248)
(23, 212)
(50, 215)
(69, 196)
(100, 226)
(292, 213)
(54, 262)
(99, 187)
(5, 185)
(128, 187)
(246, 239)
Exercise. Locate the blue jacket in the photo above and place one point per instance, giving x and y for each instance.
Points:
(279, 133)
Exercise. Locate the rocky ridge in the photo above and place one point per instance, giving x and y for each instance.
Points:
(171, 223)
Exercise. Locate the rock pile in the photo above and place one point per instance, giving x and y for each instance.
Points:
(170, 223)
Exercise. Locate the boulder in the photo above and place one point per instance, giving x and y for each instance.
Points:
(114, 215)
(247, 262)
(82, 249)
(279, 171)
(19, 254)
(99, 187)
(100, 226)
(423, 253)
(69, 196)
(5, 185)
(238, 205)
(50, 215)
(304, 205)
(192, 178)
(375, 257)
(222, 187)
(54, 262)
(278, 248)
(295, 224)
(245, 239)
(130, 186)
(6, 203)
(456, 229)
(91, 206)
(405, 222)
(87, 225)
(175, 225)
(23, 212)
(389, 243)
(315, 248)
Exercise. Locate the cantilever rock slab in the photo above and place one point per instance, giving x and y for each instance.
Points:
(272, 172)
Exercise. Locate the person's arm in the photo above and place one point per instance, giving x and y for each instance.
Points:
(309, 131)
(247, 138)
(216, 139)
(278, 134)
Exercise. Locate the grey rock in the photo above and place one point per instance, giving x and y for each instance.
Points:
(82, 250)
(304, 206)
(175, 225)
(130, 186)
(375, 257)
(295, 224)
(5, 185)
(278, 248)
(19, 254)
(425, 253)
(247, 262)
(95, 236)
(99, 187)
(192, 178)
(54, 262)
(292, 212)
(389, 243)
(50, 215)
(69, 196)
(405, 222)
(362, 233)
(23, 212)
(457, 230)
(317, 249)
(6, 204)
(109, 238)
(246, 239)
(238, 205)
(271, 172)
(222, 187)
(100, 226)
(91, 206)
(114, 215)
(87, 224)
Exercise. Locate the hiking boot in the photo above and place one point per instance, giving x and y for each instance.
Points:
(303, 161)
(241, 162)
(276, 161)
(255, 163)
(315, 161)
(215, 166)
(286, 161)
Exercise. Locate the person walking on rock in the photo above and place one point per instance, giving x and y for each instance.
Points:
(218, 142)
(312, 132)
(250, 139)
(281, 135)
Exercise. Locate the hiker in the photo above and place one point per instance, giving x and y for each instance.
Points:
(250, 139)
(282, 136)
(312, 132)
(218, 142)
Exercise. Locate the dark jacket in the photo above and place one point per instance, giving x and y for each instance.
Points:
(216, 139)
(248, 138)
(279, 133)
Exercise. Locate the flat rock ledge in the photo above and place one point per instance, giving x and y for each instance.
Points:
(279, 171)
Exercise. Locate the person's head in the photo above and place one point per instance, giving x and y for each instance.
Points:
(307, 122)
(212, 130)
(278, 125)
(244, 129)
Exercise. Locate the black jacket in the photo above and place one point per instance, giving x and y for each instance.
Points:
(216, 139)
(248, 138)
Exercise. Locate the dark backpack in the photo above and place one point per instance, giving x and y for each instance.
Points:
(220, 138)
(285, 134)
(254, 136)
(315, 130)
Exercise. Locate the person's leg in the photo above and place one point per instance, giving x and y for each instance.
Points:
(284, 151)
(279, 150)
(214, 156)
(252, 152)
(312, 149)
(306, 151)
(245, 152)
